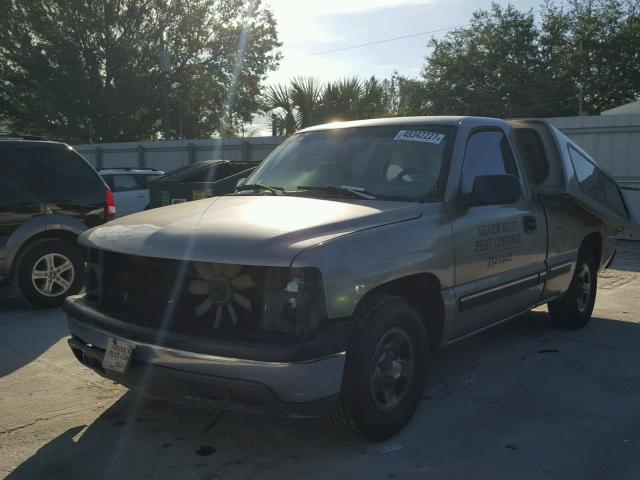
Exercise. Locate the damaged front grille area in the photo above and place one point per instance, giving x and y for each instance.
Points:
(206, 299)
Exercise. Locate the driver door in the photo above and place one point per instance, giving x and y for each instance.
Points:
(499, 249)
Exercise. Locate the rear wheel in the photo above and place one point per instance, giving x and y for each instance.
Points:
(385, 371)
(48, 272)
(575, 308)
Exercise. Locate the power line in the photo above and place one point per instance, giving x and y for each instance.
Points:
(377, 42)
(385, 40)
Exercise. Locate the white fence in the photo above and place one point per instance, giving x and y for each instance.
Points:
(171, 154)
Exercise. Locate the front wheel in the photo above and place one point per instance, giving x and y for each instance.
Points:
(48, 272)
(575, 308)
(385, 371)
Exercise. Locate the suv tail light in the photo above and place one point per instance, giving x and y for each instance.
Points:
(109, 206)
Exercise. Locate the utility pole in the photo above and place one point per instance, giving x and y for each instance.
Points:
(580, 88)
(165, 68)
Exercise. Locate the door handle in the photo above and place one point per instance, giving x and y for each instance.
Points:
(529, 223)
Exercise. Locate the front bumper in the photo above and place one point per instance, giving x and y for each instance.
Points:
(306, 387)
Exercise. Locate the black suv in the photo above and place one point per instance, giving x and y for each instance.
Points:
(49, 194)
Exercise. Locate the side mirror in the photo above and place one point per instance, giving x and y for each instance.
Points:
(493, 190)
(240, 181)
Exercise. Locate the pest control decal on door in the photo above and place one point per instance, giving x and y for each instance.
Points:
(497, 241)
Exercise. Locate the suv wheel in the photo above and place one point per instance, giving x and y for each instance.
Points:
(385, 370)
(575, 308)
(48, 272)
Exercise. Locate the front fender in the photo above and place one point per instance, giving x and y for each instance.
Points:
(354, 264)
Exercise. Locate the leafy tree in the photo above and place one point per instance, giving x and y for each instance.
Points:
(88, 70)
(491, 68)
(594, 43)
(506, 64)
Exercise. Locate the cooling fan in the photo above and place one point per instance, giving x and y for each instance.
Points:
(222, 284)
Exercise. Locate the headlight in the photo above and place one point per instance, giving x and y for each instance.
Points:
(298, 305)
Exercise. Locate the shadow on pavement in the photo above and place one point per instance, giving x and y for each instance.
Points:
(523, 400)
(627, 256)
(26, 333)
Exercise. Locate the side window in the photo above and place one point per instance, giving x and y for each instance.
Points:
(613, 196)
(58, 169)
(488, 153)
(124, 183)
(10, 183)
(587, 175)
(532, 151)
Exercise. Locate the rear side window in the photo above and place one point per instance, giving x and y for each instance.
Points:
(488, 153)
(124, 183)
(597, 184)
(613, 196)
(58, 168)
(587, 175)
(10, 182)
(533, 152)
(14, 188)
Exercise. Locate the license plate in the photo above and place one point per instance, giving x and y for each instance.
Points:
(118, 355)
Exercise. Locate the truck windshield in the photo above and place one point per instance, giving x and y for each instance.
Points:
(397, 162)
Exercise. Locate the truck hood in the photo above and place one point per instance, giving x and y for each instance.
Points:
(249, 230)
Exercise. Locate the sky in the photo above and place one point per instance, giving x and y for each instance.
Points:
(307, 28)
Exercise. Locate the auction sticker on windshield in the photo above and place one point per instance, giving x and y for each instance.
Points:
(419, 136)
(118, 355)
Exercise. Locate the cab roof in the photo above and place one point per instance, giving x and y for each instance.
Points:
(126, 170)
(399, 121)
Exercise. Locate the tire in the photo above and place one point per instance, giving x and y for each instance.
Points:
(374, 372)
(574, 309)
(62, 278)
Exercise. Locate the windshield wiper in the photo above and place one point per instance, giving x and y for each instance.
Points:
(259, 186)
(343, 189)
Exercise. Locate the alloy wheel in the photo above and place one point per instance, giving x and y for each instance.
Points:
(53, 274)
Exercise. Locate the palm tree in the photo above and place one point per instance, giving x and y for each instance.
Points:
(306, 101)
(374, 100)
(306, 93)
(341, 99)
(277, 100)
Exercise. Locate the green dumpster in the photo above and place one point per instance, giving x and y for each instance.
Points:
(200, 180)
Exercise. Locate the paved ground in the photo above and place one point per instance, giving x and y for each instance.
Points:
(521, 401)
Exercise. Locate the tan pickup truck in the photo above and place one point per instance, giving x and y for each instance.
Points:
(321, 285)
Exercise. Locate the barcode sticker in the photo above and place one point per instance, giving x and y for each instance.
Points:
(419, 136)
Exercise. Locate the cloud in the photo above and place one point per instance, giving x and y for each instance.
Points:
(328, 7)
(300, 22)
(306, 27)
